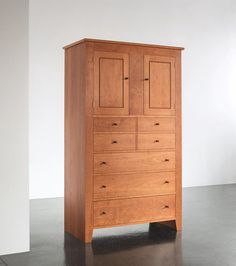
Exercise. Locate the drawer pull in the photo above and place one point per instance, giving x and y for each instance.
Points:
(103, 186)
(156, 140)
(146, 79)
(114, 142)
(166, 207)
(156, 124)
(103, 213)
(114, 124)
(103, 163)
(166, 182)
(166, 160)
(126, 78)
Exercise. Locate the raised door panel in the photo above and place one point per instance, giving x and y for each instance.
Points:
(111, 83)
(159, 85)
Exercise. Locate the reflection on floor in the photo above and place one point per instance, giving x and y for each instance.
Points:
(208, 237)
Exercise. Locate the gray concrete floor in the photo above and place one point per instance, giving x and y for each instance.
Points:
(208, 237)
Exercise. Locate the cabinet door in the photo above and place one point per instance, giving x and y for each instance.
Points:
(159, 85)
(111, 83)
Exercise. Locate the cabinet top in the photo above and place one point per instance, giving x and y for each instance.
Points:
(122, 43)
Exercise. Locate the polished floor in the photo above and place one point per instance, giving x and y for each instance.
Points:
(208, 237)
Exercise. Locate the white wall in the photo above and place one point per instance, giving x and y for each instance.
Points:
(206, 28)
(14, 195)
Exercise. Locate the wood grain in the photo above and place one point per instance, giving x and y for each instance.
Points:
(159, 85)
(156, 124)
(155, 141)
(111, 83)
(114, 142)
(114, 124)
(133, 162)
(127, 211)
(133, 185)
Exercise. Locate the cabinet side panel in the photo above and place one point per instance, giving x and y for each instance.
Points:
(75, 141)
(89, 83)
(178, 145)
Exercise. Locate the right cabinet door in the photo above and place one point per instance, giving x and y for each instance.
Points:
(159, 85)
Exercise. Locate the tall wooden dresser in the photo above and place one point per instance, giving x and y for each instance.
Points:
(122, 135)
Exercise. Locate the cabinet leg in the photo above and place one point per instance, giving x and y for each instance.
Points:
(88, 235)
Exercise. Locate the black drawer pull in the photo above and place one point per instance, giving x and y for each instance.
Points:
(156, 140)
(166, 182)
(156, 124)
(114, 142)
(166, 160)
(166, 207)
(126, 78)
(103, 163)
(146, 79)
(114, 124)
(103, 213)
(103, 186)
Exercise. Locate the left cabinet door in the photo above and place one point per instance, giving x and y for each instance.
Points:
(111, 83)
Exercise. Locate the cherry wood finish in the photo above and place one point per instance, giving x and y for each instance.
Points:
(111, 83)
(133, 210)
(122, 135)
(133, 185)
(114, 142)
(114, 124)
(133, 162)
(156, 141)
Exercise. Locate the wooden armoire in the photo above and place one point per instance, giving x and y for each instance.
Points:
(122, 135)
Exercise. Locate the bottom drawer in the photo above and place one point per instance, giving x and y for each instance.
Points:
(134, 210)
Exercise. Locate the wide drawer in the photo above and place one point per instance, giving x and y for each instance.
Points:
(133, 162)
(156, 123)
(114, 142)
(134, 210)
(114, 124)
(156, 141)
(133, 185)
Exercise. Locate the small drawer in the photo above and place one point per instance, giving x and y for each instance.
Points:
(156, 123)
(134, 210)
(156, 141)
(133, 162)
(133, 185)
(114, 124)
(114, 142)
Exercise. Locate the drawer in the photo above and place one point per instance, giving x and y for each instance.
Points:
(156, 123)
(133, 185)
(114, 142)
(114, 124)
(156, 141)
(133, 162)
(134, 210)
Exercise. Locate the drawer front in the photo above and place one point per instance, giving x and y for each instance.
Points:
(114, 142)
(133, 162)
(156, 123)
(134, 210)
(133, 185)
(114, 124)
(156, 141)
